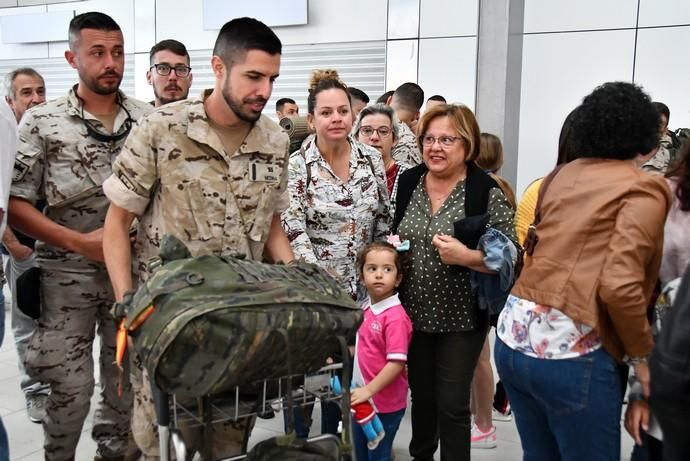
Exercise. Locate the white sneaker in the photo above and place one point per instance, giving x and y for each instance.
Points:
(503, 417)
(481, 439)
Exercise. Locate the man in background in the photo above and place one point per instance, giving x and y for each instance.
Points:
(406, 102)
(433, 101)
(169, 74)
(286, 107)
(359, 100)
(25, 88)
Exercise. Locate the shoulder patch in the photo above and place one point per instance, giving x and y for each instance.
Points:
(20, 170)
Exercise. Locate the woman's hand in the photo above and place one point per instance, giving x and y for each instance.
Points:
(450, 249)
(360, 395)
(636, 417)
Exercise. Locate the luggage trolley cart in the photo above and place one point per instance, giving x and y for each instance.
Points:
(230, 406)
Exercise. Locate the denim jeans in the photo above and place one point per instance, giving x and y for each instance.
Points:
(567, 410)
(22, 325)
(384, 450)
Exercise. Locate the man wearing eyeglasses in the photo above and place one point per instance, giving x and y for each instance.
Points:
(169, 74)
(211, 171)
(65, 151)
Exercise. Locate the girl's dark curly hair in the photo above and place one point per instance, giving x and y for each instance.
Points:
(681, 173)
(616, 121)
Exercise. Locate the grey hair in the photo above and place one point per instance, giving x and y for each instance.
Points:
(10, 90)
(374, 109)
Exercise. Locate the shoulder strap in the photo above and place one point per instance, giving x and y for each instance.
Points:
(307, 166)
(542, 191)
(532, 239)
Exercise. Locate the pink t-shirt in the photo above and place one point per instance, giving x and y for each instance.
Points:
(384, 335)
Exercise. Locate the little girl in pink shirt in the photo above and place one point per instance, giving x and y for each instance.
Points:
(381, 350)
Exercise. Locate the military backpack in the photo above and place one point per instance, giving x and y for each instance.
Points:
(203, 325)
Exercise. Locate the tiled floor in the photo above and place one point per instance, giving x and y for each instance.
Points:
(26, 438)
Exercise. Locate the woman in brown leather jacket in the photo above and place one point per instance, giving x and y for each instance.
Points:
(580, 303)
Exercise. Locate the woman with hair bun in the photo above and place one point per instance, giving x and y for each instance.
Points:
(337, 186)
(338, 199)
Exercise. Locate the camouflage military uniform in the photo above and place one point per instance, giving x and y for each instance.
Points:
(406, 149)
(175, 175)
(58, 161)
(660, 162)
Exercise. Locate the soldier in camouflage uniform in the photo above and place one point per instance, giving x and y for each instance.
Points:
(212, 172)
(406, 150)
(406, 102)
(65, 151)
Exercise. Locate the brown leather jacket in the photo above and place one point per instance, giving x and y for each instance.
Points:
(599, 250)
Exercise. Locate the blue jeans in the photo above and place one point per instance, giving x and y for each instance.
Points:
(567, 410)
(4, 445)
(330, 418)
(383, 452)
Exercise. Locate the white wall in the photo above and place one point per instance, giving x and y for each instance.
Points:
(570, 47)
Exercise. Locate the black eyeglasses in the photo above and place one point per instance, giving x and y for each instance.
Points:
(368, 131)
(92, 131)
(165, 69)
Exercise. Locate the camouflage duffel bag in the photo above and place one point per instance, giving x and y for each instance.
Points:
(206, 324)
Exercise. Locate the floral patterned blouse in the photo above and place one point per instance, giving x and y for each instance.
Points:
(544, 332)
(329, 221)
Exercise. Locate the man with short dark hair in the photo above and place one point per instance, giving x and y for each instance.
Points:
(660, 162)
(359, 100)
(433, 101)
(406, 102)
(64, 154)
(211, 171)
(169, 74)
(385, 98)
(286, 107)
(25, 89)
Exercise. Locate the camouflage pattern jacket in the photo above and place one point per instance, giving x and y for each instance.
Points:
(59, 162)
(406, 150)
(660, 162)
(329, 220)
(175, 175)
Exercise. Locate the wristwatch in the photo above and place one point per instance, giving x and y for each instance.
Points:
(632, 361)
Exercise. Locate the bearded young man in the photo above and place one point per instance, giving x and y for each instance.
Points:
(211, 171)
(64, 153)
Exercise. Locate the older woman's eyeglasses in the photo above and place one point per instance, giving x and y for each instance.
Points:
(368, 131)
(165, 69)
(445, 141)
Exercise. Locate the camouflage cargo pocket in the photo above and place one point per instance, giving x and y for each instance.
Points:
(46, 354)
